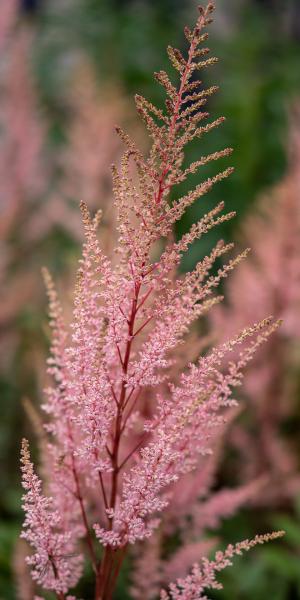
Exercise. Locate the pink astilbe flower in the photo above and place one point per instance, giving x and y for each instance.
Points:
(125, 424)
(54, 565)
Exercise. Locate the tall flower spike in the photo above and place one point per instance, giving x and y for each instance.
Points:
(171, 131)
(129, 416)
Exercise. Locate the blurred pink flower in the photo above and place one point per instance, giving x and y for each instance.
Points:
(269, 283)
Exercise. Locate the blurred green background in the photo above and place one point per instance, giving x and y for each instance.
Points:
(123, 42)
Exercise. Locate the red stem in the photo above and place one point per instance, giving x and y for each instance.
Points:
(143, 326)
(138, 445)
(131, 408)
(84, 517)
(122, 398)
(103, 490)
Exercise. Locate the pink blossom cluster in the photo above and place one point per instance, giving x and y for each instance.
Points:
(44, 531)
(131, 415)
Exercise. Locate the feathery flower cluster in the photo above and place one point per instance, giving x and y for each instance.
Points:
(54, 563)
(129, 416)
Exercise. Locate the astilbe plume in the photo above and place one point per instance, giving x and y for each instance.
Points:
(42, 529)
(270, 281)
(124, 425)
